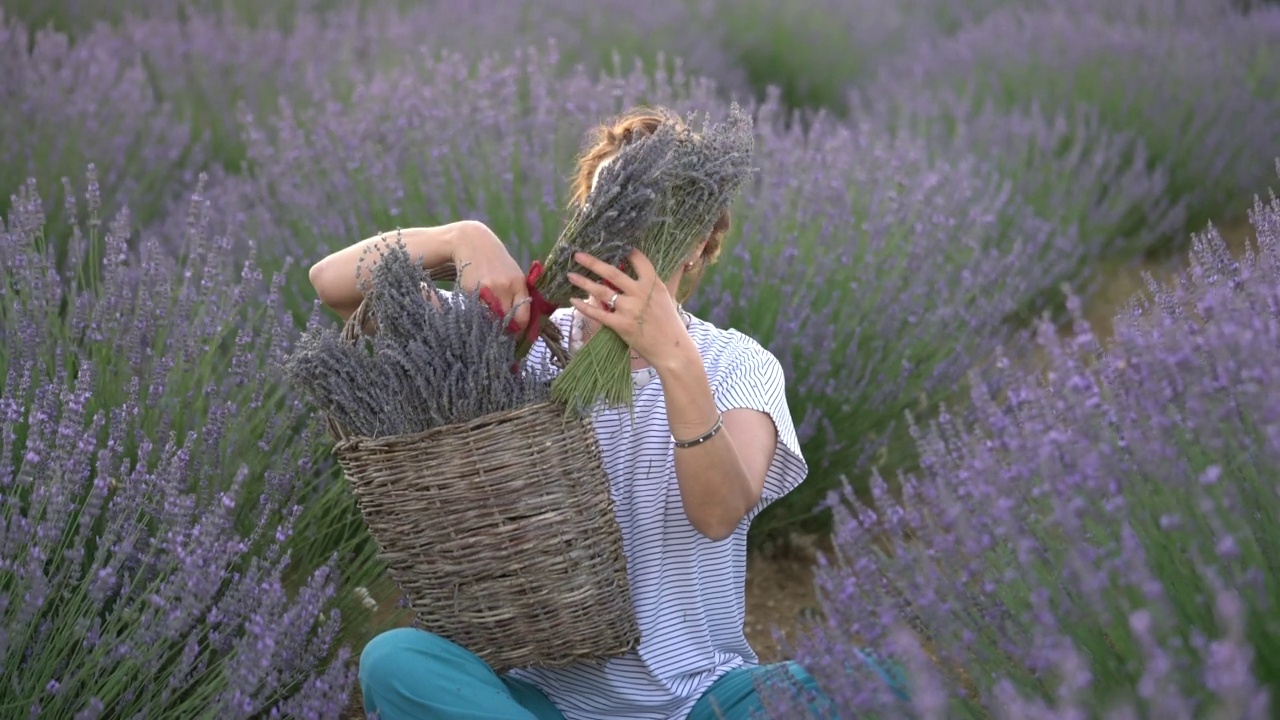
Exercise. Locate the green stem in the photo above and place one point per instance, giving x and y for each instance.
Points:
(599, 372)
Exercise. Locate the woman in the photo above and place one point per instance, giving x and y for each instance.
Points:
(711, 445)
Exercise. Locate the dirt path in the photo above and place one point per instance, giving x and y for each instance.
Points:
(1119, 283)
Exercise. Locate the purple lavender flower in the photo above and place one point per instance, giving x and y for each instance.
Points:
(1031, 556)
(813, 52)
(65, 104)
(149, 480)
(858, 254)
(1162, 70)
(1096, 183)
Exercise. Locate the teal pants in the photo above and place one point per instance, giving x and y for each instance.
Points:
(411, 674)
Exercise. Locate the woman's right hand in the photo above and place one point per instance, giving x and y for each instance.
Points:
(483, 264)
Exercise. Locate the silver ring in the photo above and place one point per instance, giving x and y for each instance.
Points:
(612, 304)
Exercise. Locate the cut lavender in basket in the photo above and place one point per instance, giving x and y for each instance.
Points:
(395, 291)
(336, 377)
(436, 359)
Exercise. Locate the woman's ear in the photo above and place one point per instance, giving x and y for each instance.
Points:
(698, 252)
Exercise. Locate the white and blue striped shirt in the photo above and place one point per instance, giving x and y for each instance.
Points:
(688, 591)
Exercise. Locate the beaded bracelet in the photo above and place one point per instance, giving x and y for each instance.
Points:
(715, 429)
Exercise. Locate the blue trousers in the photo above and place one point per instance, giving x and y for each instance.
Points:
(411, 674)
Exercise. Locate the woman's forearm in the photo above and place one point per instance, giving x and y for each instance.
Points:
(715, 486)
(334, 277)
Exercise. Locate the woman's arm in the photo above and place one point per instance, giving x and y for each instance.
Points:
(721, 479)
(478, 254)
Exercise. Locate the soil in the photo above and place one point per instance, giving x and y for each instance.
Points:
(1118, 283)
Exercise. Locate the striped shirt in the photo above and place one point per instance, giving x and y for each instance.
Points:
(688, 591)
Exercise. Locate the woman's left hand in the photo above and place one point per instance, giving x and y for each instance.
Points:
(641, 311)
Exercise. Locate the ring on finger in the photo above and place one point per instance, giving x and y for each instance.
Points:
(612, 303)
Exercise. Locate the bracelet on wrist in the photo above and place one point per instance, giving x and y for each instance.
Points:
(715, 430)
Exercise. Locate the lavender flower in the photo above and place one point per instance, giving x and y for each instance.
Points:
(1096, 183)
(858, 254)
(813, 52)
(396, 154)
(65, 104)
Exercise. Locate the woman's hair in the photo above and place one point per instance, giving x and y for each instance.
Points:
(605, 140)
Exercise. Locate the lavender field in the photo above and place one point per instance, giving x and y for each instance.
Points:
(1031, 517)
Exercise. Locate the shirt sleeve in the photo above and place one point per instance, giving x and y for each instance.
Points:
(753, 379)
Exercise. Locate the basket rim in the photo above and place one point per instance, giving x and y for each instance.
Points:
(346, 441)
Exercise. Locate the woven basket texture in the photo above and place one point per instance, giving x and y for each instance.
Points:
(500, 532)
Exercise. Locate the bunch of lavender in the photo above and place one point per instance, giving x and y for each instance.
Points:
(694, 177)
(436, 359)
(620, 209)
(152, 481)
(1100, 540)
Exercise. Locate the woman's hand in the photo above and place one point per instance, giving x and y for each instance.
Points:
(484, 264)
(641, 311)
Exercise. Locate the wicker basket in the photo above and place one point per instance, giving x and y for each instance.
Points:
(500, 532)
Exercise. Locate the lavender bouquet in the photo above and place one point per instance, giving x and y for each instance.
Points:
(661, 194)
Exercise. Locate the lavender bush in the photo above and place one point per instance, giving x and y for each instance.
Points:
(76, 17)
(64, 104)
(815, 51)
(213, 62)
(588, 31)
(1163, 77)
(1101, 540)
(440, 139)
(157, 484)
(1095, 182)
(209, 67)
